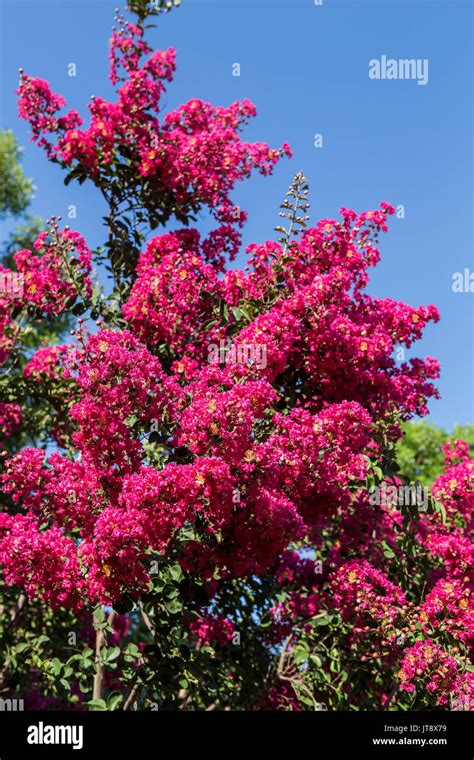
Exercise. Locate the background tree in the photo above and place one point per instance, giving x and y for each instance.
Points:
(419, 454)
(15, 197)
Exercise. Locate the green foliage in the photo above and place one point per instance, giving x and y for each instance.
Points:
(23, 236)
(419, 454)
(35, 647)
(146, 8)
(16, 190)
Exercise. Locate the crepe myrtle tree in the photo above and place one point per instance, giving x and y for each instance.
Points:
(197, 531)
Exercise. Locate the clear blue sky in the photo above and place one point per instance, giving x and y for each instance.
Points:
(306, 69)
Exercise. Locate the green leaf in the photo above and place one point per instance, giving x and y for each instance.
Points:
(79, 309)
(300, 654)
(323, 619)
(109, 655)
(41, 640)
(99, 614)
(174, 606)
(176, 573)
(114, 700)
(441, 509)
(97, 704)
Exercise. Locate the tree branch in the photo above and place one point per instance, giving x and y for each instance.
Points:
(99, 670)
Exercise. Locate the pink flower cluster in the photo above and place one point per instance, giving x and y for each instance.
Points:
(426, 665)
(174, 294)
(213, 630)
(126, 48)
(39, 560)
(365, 594)
(194, 156)
(39, 106)
(58, 272)
(10, 418)
(221, 415)
(45, 363)
(450, 606)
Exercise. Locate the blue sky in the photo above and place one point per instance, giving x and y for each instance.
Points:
(306, 69)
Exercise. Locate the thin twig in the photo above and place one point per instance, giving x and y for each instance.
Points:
(99, 670)
(132, 696)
